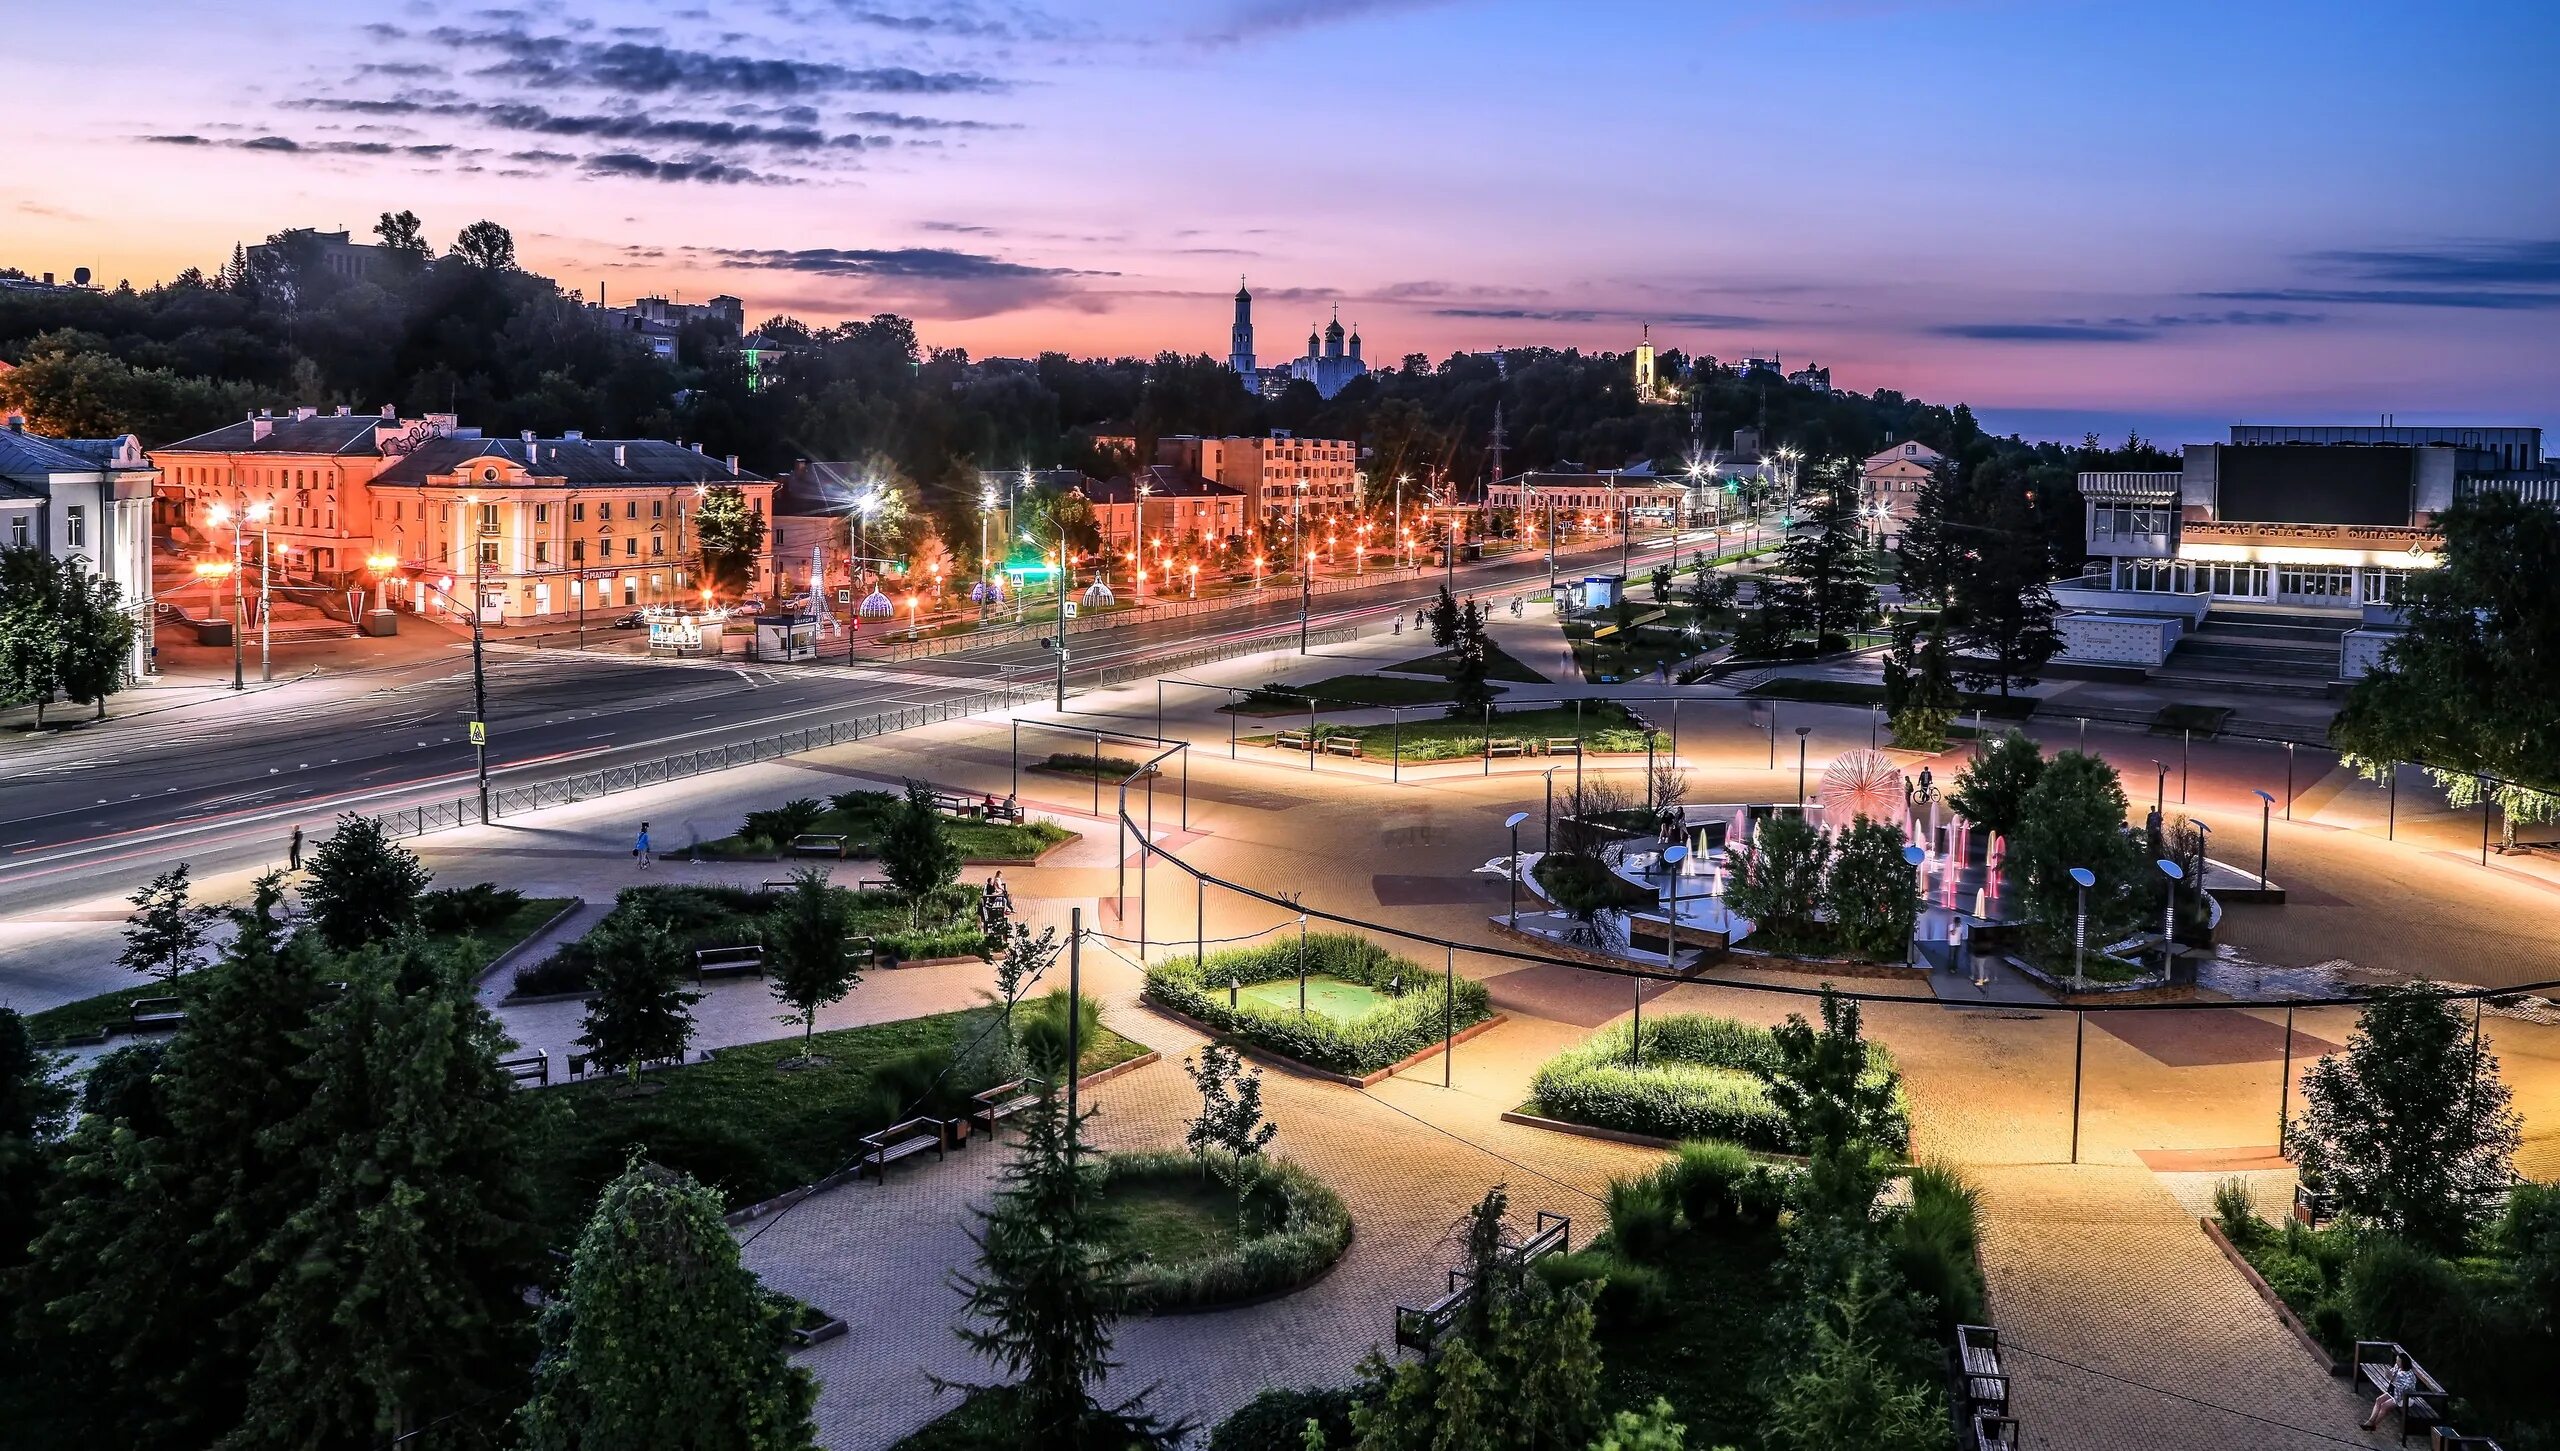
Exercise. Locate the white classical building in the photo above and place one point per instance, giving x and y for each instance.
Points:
(1889, 483)
(87, 499)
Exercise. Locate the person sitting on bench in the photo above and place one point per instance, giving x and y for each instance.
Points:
(2396, 1392)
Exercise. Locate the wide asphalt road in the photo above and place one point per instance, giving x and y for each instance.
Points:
(224, 782)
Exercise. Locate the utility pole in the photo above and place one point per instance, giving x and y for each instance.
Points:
(266, 568)
(479, 677)
(1306, 581)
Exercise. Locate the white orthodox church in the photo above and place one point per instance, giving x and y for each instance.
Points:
(1332, 360)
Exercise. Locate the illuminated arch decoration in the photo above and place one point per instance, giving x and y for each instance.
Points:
(877, 606)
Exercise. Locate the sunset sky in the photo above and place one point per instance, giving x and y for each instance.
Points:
(2072, 215)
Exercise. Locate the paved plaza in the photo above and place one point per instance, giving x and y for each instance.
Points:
(2132, 1328)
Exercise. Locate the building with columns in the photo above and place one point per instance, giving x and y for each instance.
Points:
(553, 526)
(87, 499)
(1890, 484)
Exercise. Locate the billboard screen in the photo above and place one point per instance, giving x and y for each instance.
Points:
(2317, 484)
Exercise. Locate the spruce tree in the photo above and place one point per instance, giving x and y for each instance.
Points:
(1828, 579)
(664, 1338)
(148, 1275)
(402, 1291)
(1444, 619)
(806, 951)
(364, 886)
(1050, 1282)
(916, 851)
(2004, 607)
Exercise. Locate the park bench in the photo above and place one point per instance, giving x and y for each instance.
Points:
(1341, 745)
(2449, 1440)
(1004, 1101)
(817, 844)
(1292, 741)
(2312, 1206)
(2425, 1407)
(1995, 1433)
(530, 1068)
(744, 960)
(1564, 746)
(148, 1013)
(1986, 1385)
(1504, 746)
(898, 1140)
(1008, 810)
(1419, 1327)
(579, 1060)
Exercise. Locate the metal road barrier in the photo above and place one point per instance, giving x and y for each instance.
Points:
(612, 780)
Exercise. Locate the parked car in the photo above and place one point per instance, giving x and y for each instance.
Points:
(751, 605)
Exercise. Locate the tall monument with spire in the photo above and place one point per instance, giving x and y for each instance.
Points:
(1240, 341)
(1644, 366)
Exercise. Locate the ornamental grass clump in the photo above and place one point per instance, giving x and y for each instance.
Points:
(1415, 1008)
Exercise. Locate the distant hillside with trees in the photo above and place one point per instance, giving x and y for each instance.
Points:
(468, 332)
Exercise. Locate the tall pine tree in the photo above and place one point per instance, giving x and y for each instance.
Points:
(1826, 576)
(2004, 608)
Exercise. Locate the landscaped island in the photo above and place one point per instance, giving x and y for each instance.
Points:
(1365, 1009)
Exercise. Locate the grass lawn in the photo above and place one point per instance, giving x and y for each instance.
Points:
(1860, 692)
(83, 1019)
(1177, 1222)
(1499, 665)
(1341, 690)
(1344, 1002)
(978, 841)
(1704, 1351)
(983, 1421)
(749, 1128)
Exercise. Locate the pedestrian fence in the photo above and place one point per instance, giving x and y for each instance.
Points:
(513, 800)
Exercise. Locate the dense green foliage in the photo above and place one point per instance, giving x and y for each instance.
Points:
(1700, 1077)
(165, 936)
(2411, 1127)
(364, 886)
(722, 916)
(809, 948)
(1409, 1022)
(1991, 790)
(65, 633)
(1871, 893)
(916, 851)
(663, 1338)
(641, 1010)
(1777, 882)
(2467, 687)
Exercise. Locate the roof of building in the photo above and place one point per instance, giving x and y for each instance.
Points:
(2130, 487)
(32, 456)
(585, 461)
(1629, 478)
(324, 433)
(1163, 481)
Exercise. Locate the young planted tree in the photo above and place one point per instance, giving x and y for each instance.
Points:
(916, 851)
(639, 1010)
(1920, 696)
(1873, 894)
(1052, 1279)
(1991, 791)
(1471, 649)
(2074, 816)
(1230, 1121)
(1709, 590)
(1444, 619)
(1846, 1114)
(807, 952)
(411, 1256)
(1518, 1372)
(97, 638)
(364, 886)
(1778, 877)
(2411, 1126)
(165, 936)
(664, 1338)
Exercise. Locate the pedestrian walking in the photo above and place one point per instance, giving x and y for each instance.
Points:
(293, 850)
(640, 847)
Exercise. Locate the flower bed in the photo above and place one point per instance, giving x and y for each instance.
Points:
(1697, 1078)
(1409, 1021)
(1288, 1228)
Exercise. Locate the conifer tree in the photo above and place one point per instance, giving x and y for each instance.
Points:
(364, 886)
(664, 1338)
(916, 851)
(402, 1291)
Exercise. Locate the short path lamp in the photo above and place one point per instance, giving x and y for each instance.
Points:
(2266, 823)
(1512, 824)
(2082, 879)
(1673, 857)
(2169, 914)
(1918, 856)
(1801, 733)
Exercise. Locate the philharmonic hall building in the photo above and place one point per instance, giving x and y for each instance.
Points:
(2283, 552)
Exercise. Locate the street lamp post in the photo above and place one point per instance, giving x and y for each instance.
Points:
(2266, 822)
(221, 514)
(262, 511)
(2160, 806)
(1512, 824)
(1801, 733)
(1298, 541)
(2169, 915)
(2082, 879)
(2288, 780)
(479, 674)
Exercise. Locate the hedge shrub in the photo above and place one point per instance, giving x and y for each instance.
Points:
(1699, 1078)
(1296, 1229)
(1400, 1028)
(1278, 1418)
